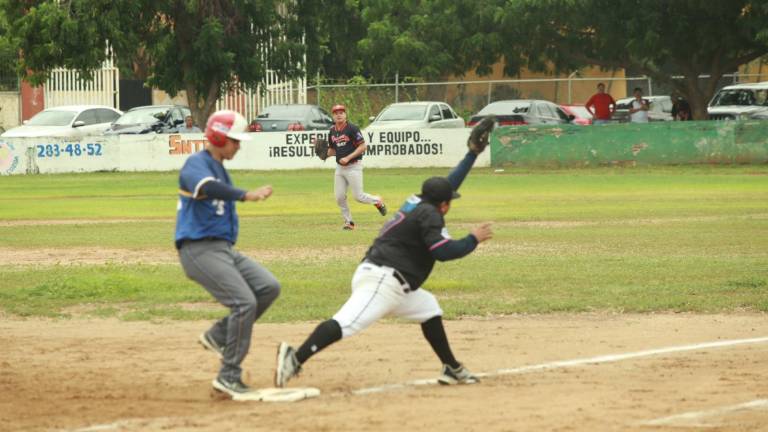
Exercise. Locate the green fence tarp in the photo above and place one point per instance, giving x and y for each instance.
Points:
(628, 144)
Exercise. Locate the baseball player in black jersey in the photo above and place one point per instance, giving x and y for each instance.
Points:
(346, 142)
(388, 281)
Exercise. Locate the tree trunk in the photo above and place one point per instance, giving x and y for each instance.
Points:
(202, 106)
(697, 97)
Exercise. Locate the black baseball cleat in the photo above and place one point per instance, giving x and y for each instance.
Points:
(210, 344)
(460, 375)
(235, 388)
(381, 207)
(349, 226)
(287, 364)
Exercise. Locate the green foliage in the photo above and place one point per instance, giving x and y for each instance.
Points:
(414, 38)
(202, 47)
(655, 38)
(331, 30)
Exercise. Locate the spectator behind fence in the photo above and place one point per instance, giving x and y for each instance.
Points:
(189, 126)
(681, 110)
(638, 109)
(601, 105)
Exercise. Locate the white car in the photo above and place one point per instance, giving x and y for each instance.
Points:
(66, 121)
(416, 115)
(740, 102)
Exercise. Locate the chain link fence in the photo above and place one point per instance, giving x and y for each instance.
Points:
(364, 100)
(9, 80)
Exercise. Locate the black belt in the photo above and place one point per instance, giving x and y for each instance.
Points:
(399, 277)
(396, 274)
(204, 239)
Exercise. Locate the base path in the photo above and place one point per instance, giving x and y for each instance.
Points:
(587, 372)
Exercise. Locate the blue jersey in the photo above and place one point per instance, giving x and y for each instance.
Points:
(199, 217)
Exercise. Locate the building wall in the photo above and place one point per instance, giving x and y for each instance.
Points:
(9, 109)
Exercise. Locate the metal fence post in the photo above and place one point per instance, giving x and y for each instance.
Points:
(397, 87)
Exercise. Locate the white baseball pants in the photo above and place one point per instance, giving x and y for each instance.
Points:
(377, 292)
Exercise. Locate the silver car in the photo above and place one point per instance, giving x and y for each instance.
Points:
(66, 121)
(518, 112)
(417, 115)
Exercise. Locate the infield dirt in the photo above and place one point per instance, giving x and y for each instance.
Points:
(104, 375)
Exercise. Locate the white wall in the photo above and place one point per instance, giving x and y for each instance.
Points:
(9, 109)
(267, 151)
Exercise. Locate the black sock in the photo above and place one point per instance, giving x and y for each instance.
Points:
(435, 334)
(325, 333)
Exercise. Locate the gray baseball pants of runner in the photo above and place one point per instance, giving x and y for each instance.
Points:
(350, 176)
(237, 282)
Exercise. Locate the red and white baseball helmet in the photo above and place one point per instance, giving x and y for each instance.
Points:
(226, 124)
(338, 107)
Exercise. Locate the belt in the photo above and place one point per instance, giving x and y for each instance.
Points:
(396, 274)
(204, 239)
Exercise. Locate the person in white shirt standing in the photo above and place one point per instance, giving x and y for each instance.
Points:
(638, 111)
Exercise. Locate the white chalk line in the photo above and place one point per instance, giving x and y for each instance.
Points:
(611, 358)
(699, 415)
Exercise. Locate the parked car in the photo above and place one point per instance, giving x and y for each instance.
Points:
(66, 121)
(158, 119)
(659, 109)
(523, 112)
(416, 115)
(292, 117)
(740, 102)
(581, 115)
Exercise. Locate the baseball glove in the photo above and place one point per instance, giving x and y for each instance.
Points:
(481, 133)
(321, 148)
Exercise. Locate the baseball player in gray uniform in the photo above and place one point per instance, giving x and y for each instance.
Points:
(206, 231)
(388, 281)
(346, 142)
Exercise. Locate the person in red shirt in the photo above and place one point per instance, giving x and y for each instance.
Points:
(601, 105)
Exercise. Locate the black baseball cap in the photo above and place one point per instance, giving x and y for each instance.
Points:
(437, 190)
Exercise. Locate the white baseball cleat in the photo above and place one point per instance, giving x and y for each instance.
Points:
(287, 364)
(460, 375)
(208, 343)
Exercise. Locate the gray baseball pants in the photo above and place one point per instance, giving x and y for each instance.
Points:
(237, 282)
(350, 176)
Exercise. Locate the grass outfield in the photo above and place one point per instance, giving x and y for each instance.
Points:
(639, 240)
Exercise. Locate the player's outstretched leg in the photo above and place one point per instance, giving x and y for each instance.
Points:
(289, 360)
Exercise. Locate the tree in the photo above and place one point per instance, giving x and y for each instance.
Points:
(204, 47)
(689, 37)
(331, 30)
(431, 38)
(427, 39)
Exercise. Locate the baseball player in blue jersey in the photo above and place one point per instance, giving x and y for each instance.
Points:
(346, 142)
(206, 231)
(388, 281)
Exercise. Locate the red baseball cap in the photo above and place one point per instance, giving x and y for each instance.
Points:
(338, 107)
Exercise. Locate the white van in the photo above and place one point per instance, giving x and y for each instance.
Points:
(740, 102)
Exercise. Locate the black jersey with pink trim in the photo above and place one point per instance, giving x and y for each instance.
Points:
(407, 240)
(345, 141)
